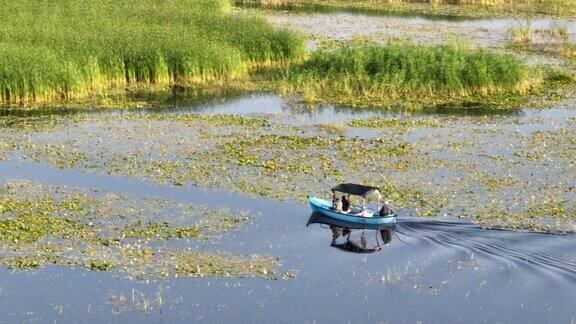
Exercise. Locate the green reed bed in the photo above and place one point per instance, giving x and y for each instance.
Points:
(52, 50)
(414, 75)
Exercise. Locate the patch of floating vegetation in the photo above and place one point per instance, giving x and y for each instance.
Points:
(558, 216)
(162, 231)
(197, 264)
(217, 120)
(443, 9)
(492, 183)
(331, 128)
(73, 49)
(22, 123)
(464, 167)
(379, 122)
(557, 144)
(41, 225)
(412, 77)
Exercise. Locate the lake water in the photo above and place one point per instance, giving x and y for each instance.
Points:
(432, 270)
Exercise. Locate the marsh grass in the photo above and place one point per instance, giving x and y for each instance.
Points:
(524, 34)
(70, 48)
(521, 34)
(554, 41)
(568, 51)
(409, 75)
(556, 32)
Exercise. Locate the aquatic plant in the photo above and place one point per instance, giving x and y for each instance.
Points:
(213, 120)
(521, 34)
(561, 32)
(52, 50)
(432, 166)
(378, 122)
(394, 74)
(52, 225)
(554, 41)
(199, 264)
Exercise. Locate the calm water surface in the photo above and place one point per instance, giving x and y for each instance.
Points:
(431, 270)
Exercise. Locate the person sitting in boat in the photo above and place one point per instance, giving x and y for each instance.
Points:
(345, 204)
(337, 205)
(385, 210)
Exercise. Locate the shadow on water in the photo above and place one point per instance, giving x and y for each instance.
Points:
(255, 104)
(472, 110)
(175, 98)
(292, 107)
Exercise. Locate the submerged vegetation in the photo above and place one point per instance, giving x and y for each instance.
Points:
(53, 50)
(399, 75)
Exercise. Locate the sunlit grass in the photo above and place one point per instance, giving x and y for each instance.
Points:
(52, 50)
(387, 75)
(521, 34)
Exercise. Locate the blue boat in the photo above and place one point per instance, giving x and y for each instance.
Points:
(356, 216)
(319, 218)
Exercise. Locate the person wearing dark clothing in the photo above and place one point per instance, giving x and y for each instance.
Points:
(385, 210)
(345, 204)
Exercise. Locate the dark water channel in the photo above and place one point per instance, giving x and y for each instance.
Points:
(424, 270)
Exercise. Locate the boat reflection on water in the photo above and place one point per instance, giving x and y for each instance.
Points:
(356, 238)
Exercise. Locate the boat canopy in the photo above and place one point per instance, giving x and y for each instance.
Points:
(356, 189)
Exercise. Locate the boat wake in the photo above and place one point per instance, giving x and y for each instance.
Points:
(521, 248)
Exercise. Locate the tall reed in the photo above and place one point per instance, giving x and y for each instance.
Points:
(384, 73)
(69, 48)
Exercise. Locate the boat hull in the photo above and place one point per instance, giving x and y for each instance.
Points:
(324, 207)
